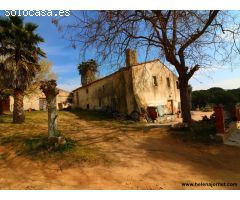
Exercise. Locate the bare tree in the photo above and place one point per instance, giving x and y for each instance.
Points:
(188, 40)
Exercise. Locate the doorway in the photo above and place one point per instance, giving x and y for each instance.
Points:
(170, 107)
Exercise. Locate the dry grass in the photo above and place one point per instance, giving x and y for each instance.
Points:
(108, 154)
(29, 139)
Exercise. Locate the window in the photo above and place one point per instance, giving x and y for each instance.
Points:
(103, 87)
(100, 102)
(87, 90)
(88, 106)
(168, 82)
(155, 81)
(177, 84)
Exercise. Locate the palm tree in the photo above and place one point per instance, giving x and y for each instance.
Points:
(19, 47)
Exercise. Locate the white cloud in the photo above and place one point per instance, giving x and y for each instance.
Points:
(69, 84)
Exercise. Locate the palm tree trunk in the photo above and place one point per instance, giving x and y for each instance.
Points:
(1, 107)
(1, 104)
(18, 113)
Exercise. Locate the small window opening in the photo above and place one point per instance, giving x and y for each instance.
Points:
(155, 81)
(168, 82)
(177, 84)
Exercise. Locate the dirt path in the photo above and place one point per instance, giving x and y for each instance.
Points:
(141, 158)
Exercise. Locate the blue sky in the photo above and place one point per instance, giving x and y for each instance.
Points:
(65, 60)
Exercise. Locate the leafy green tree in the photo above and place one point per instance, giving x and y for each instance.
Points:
(216, 96)
(19, 47)
(88, 71)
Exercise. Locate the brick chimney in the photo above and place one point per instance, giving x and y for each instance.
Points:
(131, 57)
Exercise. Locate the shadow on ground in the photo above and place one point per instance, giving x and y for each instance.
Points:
(111, 154)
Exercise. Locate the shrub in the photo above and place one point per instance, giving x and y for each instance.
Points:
(41, 144)
(207, 108)
(202, 131)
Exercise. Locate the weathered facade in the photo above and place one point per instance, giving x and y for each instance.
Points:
(37, 101)
(132, 88)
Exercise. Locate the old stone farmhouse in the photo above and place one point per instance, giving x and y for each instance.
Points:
(37, 101)
(133, 88)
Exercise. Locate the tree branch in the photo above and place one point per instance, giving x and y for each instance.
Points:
(198, 34)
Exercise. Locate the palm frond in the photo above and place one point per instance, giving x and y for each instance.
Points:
(31, 27)
(19, 45)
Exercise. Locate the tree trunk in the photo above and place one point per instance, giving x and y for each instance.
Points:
(18, 112)
(1, 103)
(185, 101)
(1, 107)
(52, 117)
(50, 91)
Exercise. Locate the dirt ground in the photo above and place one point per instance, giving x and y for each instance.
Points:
(127, 156)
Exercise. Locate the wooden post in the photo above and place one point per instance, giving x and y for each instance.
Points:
(219, 113)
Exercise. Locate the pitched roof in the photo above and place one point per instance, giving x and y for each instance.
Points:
(63, 90)
(120, 70)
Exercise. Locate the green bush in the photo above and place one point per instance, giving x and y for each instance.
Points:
(201, 98)
(41, 144)
(201, 131)
(238, 105)
(207, 108)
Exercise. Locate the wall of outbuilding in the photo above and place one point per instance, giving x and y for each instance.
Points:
(131, 89)
(113, 92)
(150, 92)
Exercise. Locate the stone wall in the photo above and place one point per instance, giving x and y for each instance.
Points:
(112, 92)
(33, 101)
(132, 88)
(155, 85)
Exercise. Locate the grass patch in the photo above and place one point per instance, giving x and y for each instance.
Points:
(69, 154)
(41, 145)
(30, 138)
(90, 115)
(6, 118)
(86, 155)
(4, 155)
(13, 139)
(201, 131)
